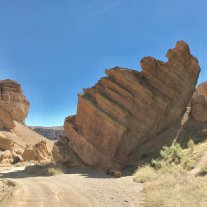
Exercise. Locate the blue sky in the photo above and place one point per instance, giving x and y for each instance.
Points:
(54, 48)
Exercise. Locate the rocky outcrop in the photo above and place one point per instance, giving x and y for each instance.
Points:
(17, 142)
(12, 96)
(128, 109)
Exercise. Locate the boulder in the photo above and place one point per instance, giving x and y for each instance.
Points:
(5, 142)
(63, 154)
(129, 109)
(11, 94)
(41, 151)
(6, 156)
(29, 153)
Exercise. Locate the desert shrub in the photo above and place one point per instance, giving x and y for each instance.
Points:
(188, 163)
(171, 155)
(48, 169)
(172, 160)
(144, 174)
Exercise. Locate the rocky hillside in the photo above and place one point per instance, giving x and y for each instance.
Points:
(128, 113)
(52, 133)
(12, 96)
(18, 142)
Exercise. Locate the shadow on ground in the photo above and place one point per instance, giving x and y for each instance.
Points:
(18, 173)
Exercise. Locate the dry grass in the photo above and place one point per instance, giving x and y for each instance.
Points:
(176, 191)
(198, 151)
(203, 170)
(169, 184)
(144, 174)
(49, 169)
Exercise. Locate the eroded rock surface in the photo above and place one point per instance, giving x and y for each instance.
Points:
(199, 103)
(11, 94)
(128, 109)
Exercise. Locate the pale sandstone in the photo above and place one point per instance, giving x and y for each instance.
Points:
(5, 142)
(12, 95)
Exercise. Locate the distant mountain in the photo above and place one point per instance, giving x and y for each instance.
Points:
(51, 133)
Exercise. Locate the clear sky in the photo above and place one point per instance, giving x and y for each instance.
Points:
(54, 48)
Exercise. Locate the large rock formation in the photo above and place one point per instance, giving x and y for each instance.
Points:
(129, 109)
(14, 134)
(11, 95)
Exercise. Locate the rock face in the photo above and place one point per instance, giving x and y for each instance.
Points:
(199, 103)
(129, 109)
(201, 89)
(11, 95)
(6, 118)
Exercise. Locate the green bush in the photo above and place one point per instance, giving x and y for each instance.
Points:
(170, 156)
(173, 156)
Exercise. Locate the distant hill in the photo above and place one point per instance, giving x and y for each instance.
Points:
(51, 133)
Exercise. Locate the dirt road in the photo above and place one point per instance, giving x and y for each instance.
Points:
(75, 189)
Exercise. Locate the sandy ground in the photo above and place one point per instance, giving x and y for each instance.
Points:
(6, 189)
(75, 189)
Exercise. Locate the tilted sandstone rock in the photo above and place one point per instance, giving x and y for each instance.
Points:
(11, 94)
(129, 109)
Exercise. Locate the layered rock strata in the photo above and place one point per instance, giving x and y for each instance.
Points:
(12, 96)
(128, 109)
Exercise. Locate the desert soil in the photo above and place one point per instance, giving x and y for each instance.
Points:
(75, 189)
(6, 188)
